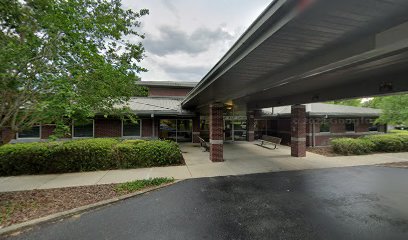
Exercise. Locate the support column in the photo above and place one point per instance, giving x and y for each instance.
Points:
(298, 131)
(216, 132)
(196, 129)
(250, 126)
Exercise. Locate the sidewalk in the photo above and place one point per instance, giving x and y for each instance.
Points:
(240, 158)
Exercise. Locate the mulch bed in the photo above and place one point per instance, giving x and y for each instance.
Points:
(325, 151)
(17, 207)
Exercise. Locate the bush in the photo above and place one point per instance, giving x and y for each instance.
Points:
(23, 158)
(352, 146)
(148, 153)
(85, 155)
(134, 141)
(387, 142)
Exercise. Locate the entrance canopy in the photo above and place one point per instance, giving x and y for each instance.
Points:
(300, 51)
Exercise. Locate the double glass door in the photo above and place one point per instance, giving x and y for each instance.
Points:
(235, 130)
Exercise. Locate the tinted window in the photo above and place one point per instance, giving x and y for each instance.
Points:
(349, 125)
(33, 132)
(83, 129)
(325, 126)
(131, 128)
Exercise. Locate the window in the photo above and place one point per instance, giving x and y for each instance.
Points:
(373, 127)
(131, 129)
(349, 125)
(179, 130)
(240, 127)
(33, 132)
(83, 129)
(325, 126)
(184, 130)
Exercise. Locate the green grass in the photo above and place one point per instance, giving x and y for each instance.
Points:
(395, 131)
(140, 184)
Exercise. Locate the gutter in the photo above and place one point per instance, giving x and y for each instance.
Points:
(243, 46)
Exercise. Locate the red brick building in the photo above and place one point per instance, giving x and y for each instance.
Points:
(161, 116)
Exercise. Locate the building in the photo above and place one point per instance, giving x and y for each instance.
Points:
(161, 116)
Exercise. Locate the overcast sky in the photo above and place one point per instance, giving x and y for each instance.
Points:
(186, 38)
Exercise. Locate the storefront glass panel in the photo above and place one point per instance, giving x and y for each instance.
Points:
(179, 130)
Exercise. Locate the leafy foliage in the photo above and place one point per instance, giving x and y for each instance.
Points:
(352, 146)
(369, 144)
(349, 102)
(64, 60)
(137, 185)
(395, 109)
(85, 155)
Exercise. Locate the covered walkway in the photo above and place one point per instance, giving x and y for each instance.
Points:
(247, 158)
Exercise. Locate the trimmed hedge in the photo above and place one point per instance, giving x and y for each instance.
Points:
(369, 144)
(387, 143)
(352, 146)
(86, 155)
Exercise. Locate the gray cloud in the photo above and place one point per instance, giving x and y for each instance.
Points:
(185, 73)
(174, 40)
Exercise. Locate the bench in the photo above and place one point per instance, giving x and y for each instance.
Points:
(265, 139)
(204, 144)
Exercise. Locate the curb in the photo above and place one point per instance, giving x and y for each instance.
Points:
(57, 216)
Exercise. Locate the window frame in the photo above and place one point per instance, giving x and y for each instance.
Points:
(354, 125)
(136, 136)
(73, 130)
(325, 121)
(31, 138)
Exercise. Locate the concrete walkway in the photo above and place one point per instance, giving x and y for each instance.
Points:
(240, 158)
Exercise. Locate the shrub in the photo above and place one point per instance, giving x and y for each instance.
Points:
(24, 158)
(386, 142)
(404, 139)
(352, 146)
(85, 155)
(148, 153)
(134, 141)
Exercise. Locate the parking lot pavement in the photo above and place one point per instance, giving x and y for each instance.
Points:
(366, 202)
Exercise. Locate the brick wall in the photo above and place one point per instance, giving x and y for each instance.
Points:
(108, 127)
(162, 92)
(7, 135)
(47, 130)
(147, 130)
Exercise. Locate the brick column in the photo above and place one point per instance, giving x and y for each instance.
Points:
(250, 126)
(216, 132)
(298, 131)
(196, 129)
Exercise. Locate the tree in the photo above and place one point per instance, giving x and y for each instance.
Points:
(62, 60)
(349, 102)
(394, 109)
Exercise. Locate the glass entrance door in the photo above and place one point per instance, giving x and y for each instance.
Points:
(239, 129)
(228, 130)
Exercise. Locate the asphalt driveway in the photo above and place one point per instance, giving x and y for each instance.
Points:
(338, 203)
